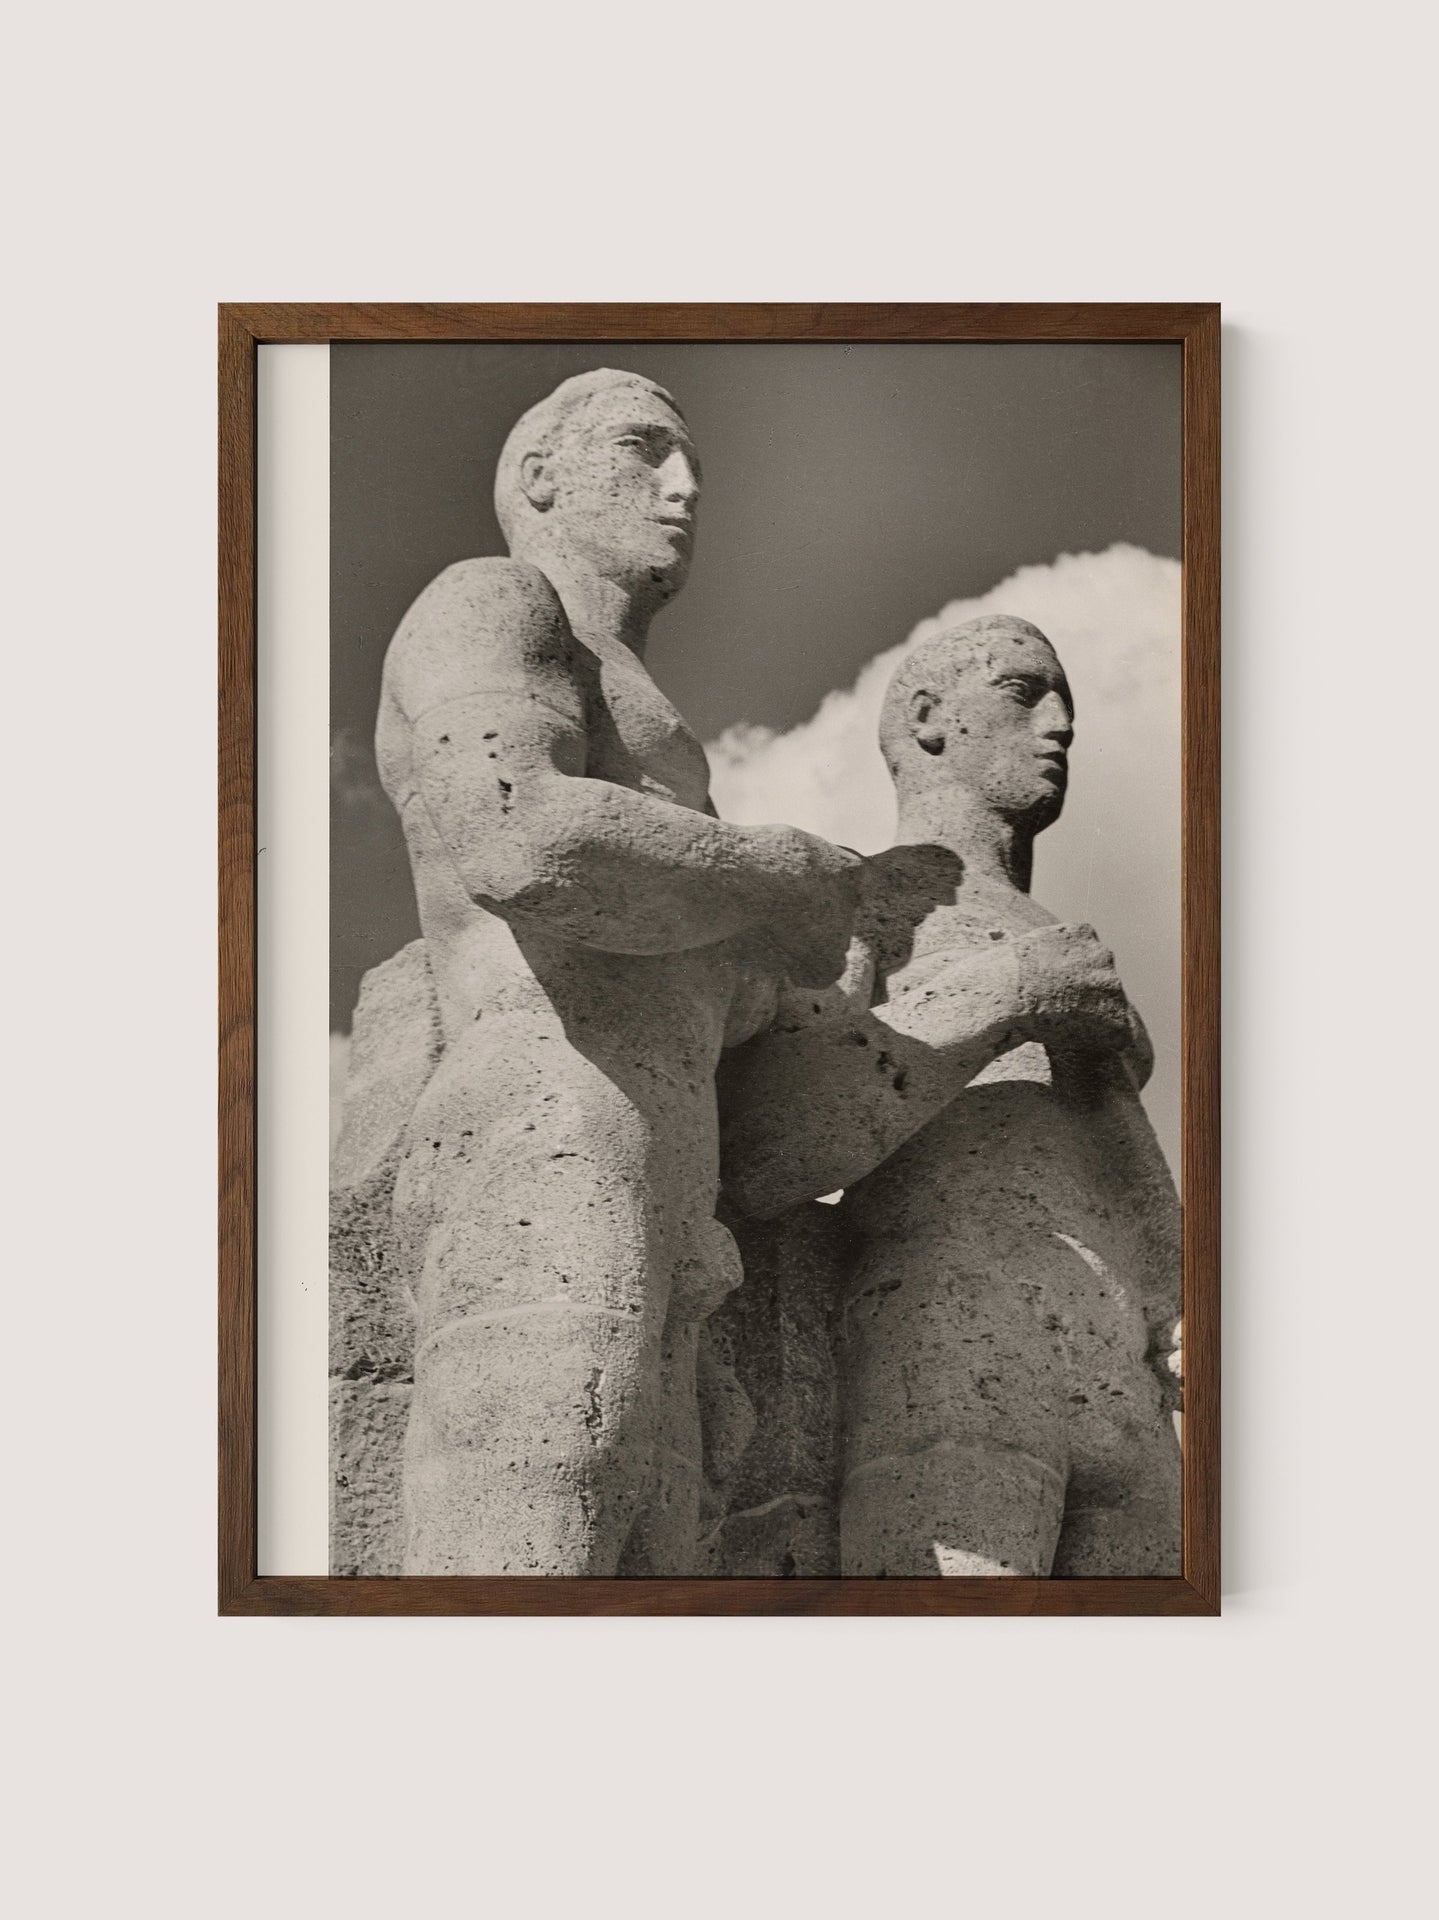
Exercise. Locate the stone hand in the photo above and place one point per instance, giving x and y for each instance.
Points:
(816, 889)
(1070, 990)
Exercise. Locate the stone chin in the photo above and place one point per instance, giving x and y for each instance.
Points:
(648, 560)
(1041, 811)
(661, 567)
(669, 575)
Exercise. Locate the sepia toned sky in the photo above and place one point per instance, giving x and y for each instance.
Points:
(851, 495)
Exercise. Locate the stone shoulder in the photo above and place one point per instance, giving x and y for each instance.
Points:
(483, 625)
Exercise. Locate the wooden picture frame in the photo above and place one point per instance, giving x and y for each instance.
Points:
(242, 329)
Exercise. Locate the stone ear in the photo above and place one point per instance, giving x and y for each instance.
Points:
(925, 721)
(536, 482)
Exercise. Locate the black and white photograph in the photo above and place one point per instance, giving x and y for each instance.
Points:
(755, 953)
(718, 1070)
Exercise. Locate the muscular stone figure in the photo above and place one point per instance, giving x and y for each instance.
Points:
(1012, 1245)
(595, 935)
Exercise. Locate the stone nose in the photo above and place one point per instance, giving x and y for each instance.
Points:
(1053, 720)
(678, 479)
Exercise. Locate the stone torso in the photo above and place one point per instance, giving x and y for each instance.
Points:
(1042, 1142)
(690, 1003)
(637, 739)
(1011, 1271)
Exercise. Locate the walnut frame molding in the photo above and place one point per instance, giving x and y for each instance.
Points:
(242, 329)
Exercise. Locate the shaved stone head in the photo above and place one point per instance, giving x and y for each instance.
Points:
(543, 429)
(936, 660)
(601, 481)
(984, 707)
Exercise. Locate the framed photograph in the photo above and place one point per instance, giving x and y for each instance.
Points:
(748, 777)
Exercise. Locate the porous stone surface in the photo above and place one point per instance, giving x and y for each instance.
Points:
(395, 1045)
(772, 1451)
(595, 937)
(1012, 1235)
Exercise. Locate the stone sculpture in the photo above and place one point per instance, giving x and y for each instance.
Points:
(1011, 1232)
(594, 936)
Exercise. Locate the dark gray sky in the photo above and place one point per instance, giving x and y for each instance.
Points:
(849, 491)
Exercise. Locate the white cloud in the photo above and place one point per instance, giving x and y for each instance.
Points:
(1113, 858)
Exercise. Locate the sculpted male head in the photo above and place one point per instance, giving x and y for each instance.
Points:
(984, 706)
(605, 470)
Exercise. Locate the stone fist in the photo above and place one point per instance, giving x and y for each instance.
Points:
(1070, 991)
(811, 914)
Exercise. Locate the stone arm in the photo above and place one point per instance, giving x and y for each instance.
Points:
(836, 1085)
(488, 682)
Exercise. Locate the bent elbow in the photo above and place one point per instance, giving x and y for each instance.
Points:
(533, 859)
(508, 875)
(525, 881)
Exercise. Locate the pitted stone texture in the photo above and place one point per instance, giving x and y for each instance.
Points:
(596, 936)
(773, 1338)
(1014, 1262)
(394, 1048)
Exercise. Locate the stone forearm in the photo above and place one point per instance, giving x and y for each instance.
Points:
(618, 870)
(811, 1109)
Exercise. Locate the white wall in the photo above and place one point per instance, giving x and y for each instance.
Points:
(166, 157)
